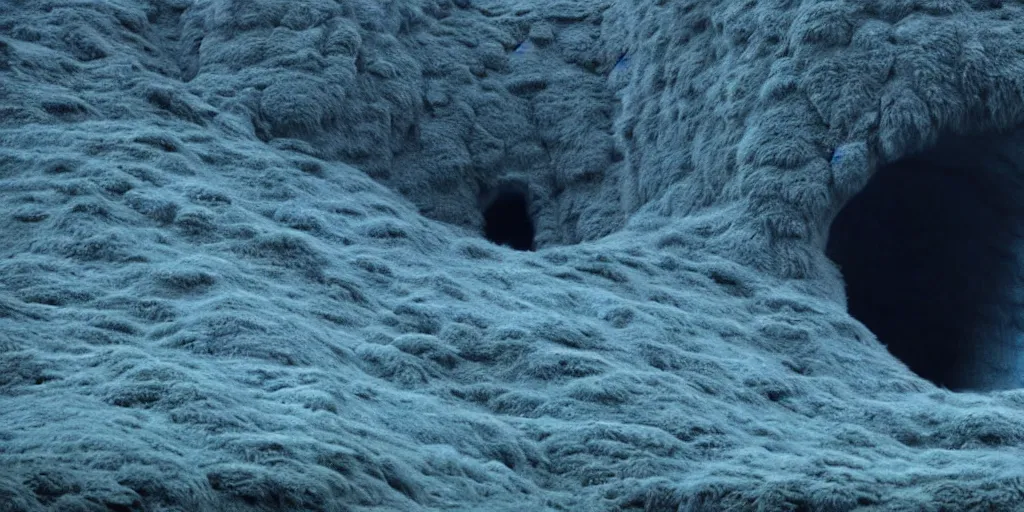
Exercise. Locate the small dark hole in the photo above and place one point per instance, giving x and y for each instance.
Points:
(507, 221)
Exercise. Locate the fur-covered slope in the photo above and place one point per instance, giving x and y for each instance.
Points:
(240, 266)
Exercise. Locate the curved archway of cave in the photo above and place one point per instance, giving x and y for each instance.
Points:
(932, 254)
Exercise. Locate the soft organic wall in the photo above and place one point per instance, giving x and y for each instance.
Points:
(785, 108)
(434, 100)
(244, 264)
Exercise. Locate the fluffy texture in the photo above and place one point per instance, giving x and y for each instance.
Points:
(243, 266)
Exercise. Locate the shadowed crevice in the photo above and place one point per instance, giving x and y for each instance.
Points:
(507, 220)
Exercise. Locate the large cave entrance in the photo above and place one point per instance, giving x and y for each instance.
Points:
(931, 253)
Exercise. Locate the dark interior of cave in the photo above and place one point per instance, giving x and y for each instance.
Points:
(928, 254)
(507, 220)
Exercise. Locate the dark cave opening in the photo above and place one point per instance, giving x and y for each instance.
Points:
(507, 220)
(930, 254)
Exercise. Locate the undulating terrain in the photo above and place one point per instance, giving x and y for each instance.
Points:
(511, 255)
